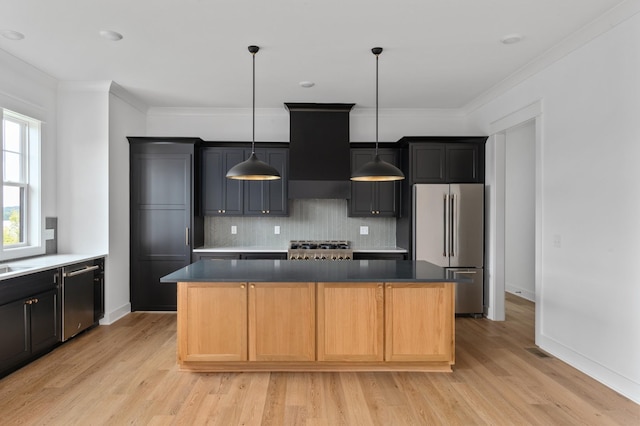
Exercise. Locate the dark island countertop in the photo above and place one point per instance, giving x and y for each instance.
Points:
(311, 271)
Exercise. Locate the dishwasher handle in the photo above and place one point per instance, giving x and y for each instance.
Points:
(80, 271)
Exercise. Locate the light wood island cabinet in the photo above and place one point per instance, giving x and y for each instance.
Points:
(282, 320)
(419, 310)
(282, 315)
(350, 322)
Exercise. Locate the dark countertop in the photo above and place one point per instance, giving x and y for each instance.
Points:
(311, 271)
(280, 249)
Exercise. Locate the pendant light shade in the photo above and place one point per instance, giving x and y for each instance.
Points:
(377, 170)
(252, 168)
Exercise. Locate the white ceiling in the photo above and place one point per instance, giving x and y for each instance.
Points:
(193, 53)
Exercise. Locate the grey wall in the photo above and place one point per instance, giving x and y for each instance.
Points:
(308, 219)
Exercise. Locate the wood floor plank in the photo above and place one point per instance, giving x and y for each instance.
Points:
(126, 373)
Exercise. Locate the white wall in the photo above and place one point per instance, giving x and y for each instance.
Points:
(588, 291)
(126, 118)
(83, 161)
(520, 210)
(273, 124)
(26, 90)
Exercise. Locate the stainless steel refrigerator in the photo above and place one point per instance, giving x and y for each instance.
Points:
(449, 231)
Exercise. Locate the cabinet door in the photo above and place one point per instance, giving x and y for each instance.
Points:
(427, 163)
(350, 322)
(373, 198)
(425, 310)
(14, 334)
(268, 197)
(221, 196)
(282, 322)
(212, 322)
(44, 321)
(161, 215)
(462, 163)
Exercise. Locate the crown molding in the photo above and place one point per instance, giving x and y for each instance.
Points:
(584, 35)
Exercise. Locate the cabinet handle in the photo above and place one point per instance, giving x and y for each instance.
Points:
(28, 302)
(186, 236)
(253, 286)
(241, 285)
(224, 211)
(35, 300)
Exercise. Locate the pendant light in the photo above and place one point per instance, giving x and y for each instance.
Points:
(252, 168)
(377, 170)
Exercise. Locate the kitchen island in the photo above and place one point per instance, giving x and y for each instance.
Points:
(287, 315)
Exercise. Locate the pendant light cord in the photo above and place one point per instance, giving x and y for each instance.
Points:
(253, 112)
(377, 55)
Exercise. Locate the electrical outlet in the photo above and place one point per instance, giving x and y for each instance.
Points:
(234, 229)
(276, 230)
(49, 234)
(364, 230)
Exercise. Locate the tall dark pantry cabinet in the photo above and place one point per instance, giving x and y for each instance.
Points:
(164, 223)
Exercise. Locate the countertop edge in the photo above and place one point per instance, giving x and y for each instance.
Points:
(281, 250)
(45, 262)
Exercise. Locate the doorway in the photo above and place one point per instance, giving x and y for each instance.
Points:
(524, 124)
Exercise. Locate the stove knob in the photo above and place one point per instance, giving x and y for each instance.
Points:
(334, 257)
(317, 257)
(306, 257)
(347, 257)
(324, 257)
(292, 257)
(340, 258)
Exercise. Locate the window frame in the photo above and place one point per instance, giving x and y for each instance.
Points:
(30, 182)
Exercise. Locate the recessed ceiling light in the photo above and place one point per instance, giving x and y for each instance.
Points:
(111, 35)
(12, 35)
(307, 84)
(511, 39)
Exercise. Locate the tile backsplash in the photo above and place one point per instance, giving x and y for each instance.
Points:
(312, 219)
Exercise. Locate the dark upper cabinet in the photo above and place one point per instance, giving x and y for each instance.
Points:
(164, 225)
(373, 199)
(221, 196)
(30, 314)
(268, 197)
(455, 160)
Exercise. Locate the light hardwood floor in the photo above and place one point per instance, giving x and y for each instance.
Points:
(126, 374)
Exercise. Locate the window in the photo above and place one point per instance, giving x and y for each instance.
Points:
(20, 186)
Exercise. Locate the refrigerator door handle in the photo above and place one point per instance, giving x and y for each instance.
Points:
(444, 225)
(452, 223)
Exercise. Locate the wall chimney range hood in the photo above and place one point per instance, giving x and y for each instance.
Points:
(319, 156)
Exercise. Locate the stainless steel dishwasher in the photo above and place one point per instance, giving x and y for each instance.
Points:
(77, 298)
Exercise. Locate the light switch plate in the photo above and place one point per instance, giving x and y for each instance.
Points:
(276, 229)
(234, 229)
(49, 234)
(364, 230)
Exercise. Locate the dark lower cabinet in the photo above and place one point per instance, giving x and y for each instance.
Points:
(379, 256)
(164, 226)
(30, 323)
(373, 199)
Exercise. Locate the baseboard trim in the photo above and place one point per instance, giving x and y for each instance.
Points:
(526, 294)
(624, 386)
(115, 315)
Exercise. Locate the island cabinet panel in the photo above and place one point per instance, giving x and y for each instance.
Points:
(419, 322)
(212, 321)
(282, 322)
(350, 322)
